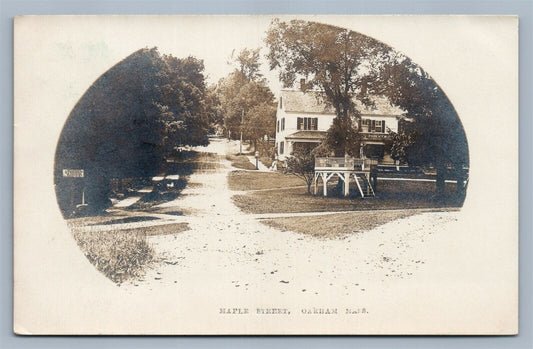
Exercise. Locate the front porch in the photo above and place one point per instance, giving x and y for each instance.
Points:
(362, 171)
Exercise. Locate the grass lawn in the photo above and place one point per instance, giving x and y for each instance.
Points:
(118, 254)
(390, 195)
(243, 180)
(102, 218)
(122, 254)
(337, 225)
(240, 161)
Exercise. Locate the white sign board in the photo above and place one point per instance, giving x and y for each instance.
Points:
(73, 173)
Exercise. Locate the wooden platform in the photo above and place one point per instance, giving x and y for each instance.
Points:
(345, 168)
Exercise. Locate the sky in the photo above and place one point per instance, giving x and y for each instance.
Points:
(91, 45)
(95, 44)
(209, 38)
(214, 40)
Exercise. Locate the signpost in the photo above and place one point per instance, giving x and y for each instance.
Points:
(74, 173)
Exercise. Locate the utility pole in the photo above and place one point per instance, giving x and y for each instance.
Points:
(242, 122)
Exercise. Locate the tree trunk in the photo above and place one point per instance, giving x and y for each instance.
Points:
(441, 178)
(460, 176)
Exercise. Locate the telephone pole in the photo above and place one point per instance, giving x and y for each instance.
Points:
(242, 122)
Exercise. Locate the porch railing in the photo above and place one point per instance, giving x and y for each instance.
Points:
(344, 163)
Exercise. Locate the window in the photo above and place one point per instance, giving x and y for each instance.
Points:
(373, 125)
(307, 124)
(379, 126)
(281, 147)
(277, 126)
(280, 102)
(365, 125)
(283, 124)
(314, 124)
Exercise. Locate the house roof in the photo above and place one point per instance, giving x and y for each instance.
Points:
(313, 102)
(318, 135)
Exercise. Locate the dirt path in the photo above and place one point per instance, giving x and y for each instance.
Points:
(229, 251)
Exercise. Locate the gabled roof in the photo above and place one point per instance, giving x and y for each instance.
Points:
(308, 102)
(313, 102)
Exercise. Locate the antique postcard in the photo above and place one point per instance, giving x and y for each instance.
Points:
(266, 175)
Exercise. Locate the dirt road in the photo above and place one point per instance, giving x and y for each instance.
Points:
(226, 250)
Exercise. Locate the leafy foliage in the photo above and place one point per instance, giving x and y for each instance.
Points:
(247, 62)
(401, 143)
(301, 163)
(343, 137)
(181, 103)
(261, 121)
(246, 102)
(333, 60)
(129, 120)
(435, 128)
(435, 136)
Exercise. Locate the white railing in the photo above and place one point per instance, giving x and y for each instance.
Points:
(344, 163)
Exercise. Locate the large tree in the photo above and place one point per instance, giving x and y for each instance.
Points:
(432, 134)
(240, 94)
(181, 102)
(126, 122)
(213, 110)
(247, 62)
(260, 122)
(332, 60)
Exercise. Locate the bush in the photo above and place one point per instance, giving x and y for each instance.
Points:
(267, 161)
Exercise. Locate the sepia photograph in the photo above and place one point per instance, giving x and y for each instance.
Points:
(266, 175)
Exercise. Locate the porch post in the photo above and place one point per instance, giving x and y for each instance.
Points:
(325, 182)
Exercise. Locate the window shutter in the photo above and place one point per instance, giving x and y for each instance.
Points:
(383, 126)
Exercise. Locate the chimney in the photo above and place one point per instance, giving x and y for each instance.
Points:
(302, 84)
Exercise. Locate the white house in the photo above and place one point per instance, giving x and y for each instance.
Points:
(301, 117)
